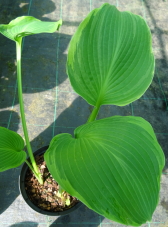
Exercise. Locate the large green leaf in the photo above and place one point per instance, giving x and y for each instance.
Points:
(110, 59)
(11, 149)
(27, 25)
(112, 165)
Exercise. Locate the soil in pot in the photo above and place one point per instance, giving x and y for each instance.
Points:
(44, 196)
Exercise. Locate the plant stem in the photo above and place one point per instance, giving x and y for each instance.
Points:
(22, 112)
(61, 190)
(94, 113)
(31, 168)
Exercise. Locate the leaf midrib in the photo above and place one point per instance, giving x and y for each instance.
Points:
(107, 78)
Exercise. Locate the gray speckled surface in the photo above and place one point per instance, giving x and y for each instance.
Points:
(52, 106)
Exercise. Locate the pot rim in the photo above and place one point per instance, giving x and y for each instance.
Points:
(26, 198)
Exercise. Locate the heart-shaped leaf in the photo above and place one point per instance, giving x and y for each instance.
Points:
(110, 59)
(11, 149)
(113, 166)
(27, 25)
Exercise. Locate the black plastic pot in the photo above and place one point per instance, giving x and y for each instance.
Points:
(26, 198)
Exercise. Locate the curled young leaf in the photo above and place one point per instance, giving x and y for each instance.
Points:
(113, 166)
(110, 59)
(11, 149)
(27, 25)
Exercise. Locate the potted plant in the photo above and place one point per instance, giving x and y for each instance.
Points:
(113, 165)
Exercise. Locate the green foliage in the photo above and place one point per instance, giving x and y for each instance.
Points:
(11, 149)
(112, 165)
(27, 25)
(110, 59)
(16, 30)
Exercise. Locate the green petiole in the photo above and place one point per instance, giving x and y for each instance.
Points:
(94, 113)
(34, 167)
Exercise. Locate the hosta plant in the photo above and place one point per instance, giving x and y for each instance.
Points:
(112, 165)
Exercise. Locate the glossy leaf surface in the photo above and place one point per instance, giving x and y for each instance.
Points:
(27, 25)
(113, 166)
(110, 59)
(11, 149)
